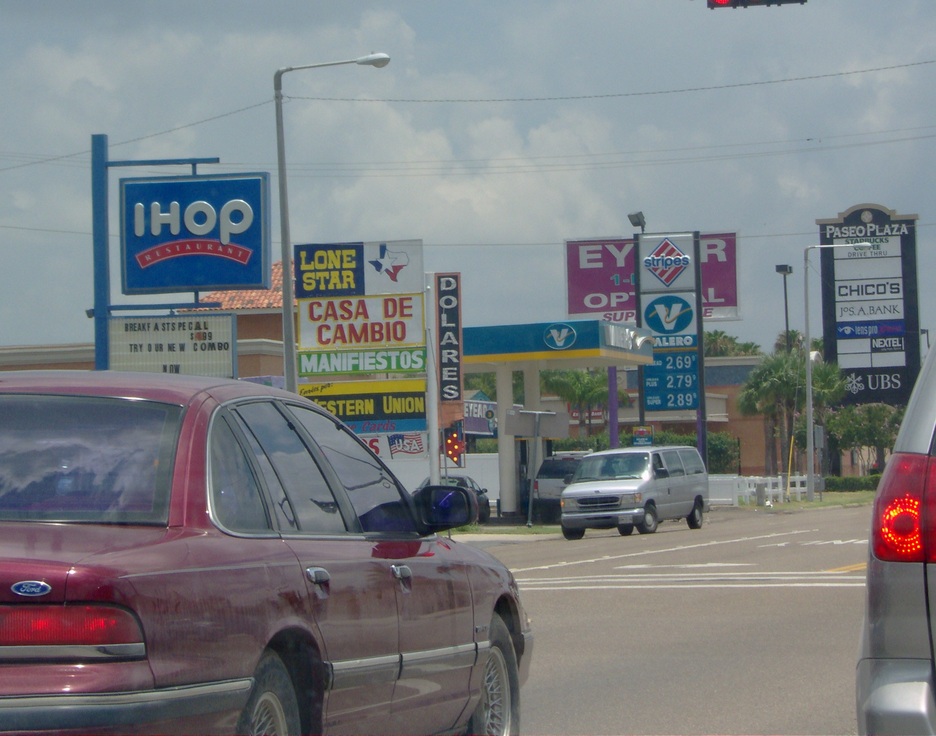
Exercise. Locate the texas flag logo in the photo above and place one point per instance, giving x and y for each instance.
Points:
(390, 262)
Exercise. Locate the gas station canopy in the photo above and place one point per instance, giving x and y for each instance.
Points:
(556, 346)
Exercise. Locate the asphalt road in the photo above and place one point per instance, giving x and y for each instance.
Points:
(747, 626)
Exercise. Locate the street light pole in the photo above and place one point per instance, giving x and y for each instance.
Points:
(290, 376)
(810, 439)
(786, 270)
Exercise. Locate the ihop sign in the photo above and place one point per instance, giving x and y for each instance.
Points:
(195, 232)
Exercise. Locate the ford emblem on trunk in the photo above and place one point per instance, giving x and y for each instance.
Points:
(31, 588)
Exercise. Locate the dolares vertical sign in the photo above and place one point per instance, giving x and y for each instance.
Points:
(449, 324)
(195, 232)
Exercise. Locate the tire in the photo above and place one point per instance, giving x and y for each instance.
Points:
(650, 522)
(572, 534)
(498, 711)
(625, 530)
(272, 708)
(484, 511)
(694, 520)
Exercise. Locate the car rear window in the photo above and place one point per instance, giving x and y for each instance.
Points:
(558, 467)
(86, 459)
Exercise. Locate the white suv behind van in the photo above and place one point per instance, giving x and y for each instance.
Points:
(635, 487)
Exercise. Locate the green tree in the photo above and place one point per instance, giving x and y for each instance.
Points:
(775, 389)
(719, 344)
(796, 341)
(487, 383)
(869, 430)
(582, 390)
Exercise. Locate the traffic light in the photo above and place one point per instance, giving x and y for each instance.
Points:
(455, 445)
(746, 3)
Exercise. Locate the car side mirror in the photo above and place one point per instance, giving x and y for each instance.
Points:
(661, 473)
(441, 508)
(568, 478)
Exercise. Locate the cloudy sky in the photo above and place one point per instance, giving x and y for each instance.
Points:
(498, 131)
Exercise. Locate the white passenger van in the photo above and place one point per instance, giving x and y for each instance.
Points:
(635, 487)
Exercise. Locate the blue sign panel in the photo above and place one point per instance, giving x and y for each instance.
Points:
(186, 233)
(671, 382)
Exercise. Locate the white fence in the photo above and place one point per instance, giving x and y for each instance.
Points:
(734, 490)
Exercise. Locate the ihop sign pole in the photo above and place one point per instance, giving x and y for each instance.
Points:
(178, 233)
(101, 238)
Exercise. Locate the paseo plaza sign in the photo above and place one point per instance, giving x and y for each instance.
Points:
(870, 302)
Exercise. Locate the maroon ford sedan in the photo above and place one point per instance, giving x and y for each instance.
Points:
(193, 555)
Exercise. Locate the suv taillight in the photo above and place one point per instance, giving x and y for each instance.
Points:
(904, 517)
(42, 625)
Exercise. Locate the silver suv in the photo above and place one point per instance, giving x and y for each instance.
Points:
(635, 487)
(895, 690)
(554, 475)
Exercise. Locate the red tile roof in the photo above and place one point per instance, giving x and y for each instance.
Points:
(245, 299)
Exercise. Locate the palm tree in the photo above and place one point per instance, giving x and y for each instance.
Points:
(796, 341)
(775, 388)
(719, 344)
(582, 390)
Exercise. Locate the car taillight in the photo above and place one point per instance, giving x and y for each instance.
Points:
(41, 625)
(904, 517)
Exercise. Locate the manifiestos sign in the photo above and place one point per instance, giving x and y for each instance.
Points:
(386, 320)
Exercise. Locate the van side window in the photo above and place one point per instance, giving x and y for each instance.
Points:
(673, 463)
(692, 461)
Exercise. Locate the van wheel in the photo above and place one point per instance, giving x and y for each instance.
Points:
(625, 530)
(650, 522)
(694, 520)
(572, 534)
(272, 707)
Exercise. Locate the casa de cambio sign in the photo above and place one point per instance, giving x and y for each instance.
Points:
(361, 308)
(186, 233)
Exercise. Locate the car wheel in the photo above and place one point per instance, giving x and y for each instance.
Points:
(484, 510)
(625, 530)
(650, 522)
(272, 708)
(572, 534)
(694, 520)
(498, 711)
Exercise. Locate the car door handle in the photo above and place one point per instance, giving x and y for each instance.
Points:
(401, 572)
(317, 575)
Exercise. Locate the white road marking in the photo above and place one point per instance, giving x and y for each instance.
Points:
(648, 552)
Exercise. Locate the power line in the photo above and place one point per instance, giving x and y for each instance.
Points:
(737, 85)
(567, 98)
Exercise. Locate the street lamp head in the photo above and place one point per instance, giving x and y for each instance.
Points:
(785, 269)
(377, 60)
(637, 219)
